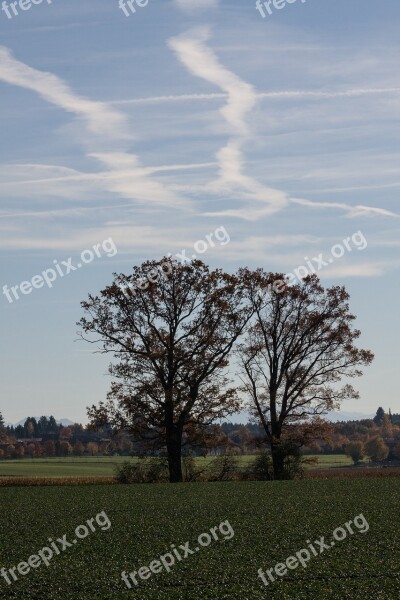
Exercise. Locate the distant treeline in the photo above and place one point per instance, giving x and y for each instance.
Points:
(44, 437)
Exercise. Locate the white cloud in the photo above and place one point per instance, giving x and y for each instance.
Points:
(100, 118)
(233, 180)
(367, 269)
(353, 211)
(190, 5)
(130, 180)
(242, 98)
(279, 95)
(171, 98)
(124, 174)
(202, 62)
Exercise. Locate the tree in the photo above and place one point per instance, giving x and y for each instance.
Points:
(297, 351)
(66, 433)
(19, 431)
(30, 427)
(396, 451)
(49, 448)
(20, 451)
(376, 449)
(380, 413)
(92, 448)
(31, 450)
(65, 449)
(11, 452)
(78, 449)
(3, 431)
(355, 450)
(171, 326)
(52, 425)
(43, 425)
(387, 428)
(125, 445)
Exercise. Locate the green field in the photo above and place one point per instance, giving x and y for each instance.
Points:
(60, 467)
(104, 466)
(271, 521)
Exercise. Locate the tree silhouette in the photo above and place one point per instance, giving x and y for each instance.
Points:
(298, 349)
(170, 328)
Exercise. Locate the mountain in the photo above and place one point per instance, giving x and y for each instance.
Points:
(64, 422)
(335, 416)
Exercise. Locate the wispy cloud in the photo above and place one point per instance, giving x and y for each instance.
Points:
(124, 174)
(191, 49)
(262, 200)
(201, 61)
(366, 269)
(100, 118)
(192, 5)
(353, 211)
(171, 98)
(130, 180)
(279, 95)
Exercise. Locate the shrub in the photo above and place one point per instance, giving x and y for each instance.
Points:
(223, 468)
(292, 460)
(355, 450)
(190, 472)
(126, 472)
(376, 449)
(261, 468)
(156, 470)
(153, 470)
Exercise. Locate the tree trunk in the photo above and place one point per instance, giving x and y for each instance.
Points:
(174, 449)
(278, 461)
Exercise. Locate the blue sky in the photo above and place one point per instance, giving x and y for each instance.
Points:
(157, 129)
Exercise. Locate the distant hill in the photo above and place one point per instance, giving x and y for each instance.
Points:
(243, 417)
(64, 422)
(335, 416)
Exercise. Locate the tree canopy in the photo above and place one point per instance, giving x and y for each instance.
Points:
(297, 350)
(171, 337)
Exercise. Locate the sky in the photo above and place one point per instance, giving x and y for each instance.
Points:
(127, 137)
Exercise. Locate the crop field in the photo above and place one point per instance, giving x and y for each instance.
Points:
(60, 467)
(104, 466)
(271, 522)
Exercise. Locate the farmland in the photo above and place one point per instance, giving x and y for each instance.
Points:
(104, 466)
(271, 521)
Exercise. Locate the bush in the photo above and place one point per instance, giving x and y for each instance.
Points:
(376, 449)
(190, 472)
(153, 470)
(355, 450)
(126, 472)
(294, 463)
(156, 470)
(223, 468)
(261, 468)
